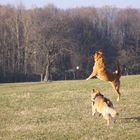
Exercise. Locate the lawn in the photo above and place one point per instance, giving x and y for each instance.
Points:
(61, 110)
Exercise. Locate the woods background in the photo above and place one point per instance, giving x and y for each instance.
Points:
(54, 44)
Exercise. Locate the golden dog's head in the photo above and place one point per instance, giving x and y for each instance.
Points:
(98, 55)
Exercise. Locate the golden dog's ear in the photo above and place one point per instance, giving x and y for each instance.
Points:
(96, 52)
(100, 52)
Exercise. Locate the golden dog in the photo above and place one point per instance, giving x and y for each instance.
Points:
(101, 72)
(103, 106)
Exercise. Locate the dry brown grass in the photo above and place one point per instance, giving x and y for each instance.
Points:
(62, 111)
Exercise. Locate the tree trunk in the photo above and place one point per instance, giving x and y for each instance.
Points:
(46, 78)
(41, 77)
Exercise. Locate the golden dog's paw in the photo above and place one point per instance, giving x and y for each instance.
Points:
(93, 114)
(118, 99)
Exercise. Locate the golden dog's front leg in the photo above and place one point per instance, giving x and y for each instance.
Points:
(92, 75)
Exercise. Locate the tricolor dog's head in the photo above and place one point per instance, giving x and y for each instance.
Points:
(94, 93)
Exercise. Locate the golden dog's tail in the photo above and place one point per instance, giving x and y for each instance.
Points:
(118, 71)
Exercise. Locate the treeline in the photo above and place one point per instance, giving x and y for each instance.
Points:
(54, 44)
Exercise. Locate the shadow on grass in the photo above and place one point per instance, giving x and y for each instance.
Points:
(131, 119)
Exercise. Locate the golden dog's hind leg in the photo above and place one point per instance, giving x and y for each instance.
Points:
(116, 87)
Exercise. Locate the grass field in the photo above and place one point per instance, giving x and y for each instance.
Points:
(62, 111)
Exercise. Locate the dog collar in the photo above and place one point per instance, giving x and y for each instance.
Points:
(98, 94)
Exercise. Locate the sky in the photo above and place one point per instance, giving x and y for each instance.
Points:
(65, 4)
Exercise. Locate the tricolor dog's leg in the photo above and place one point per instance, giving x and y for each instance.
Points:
(93, 108)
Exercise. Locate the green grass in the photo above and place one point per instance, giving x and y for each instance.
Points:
(62, 111)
